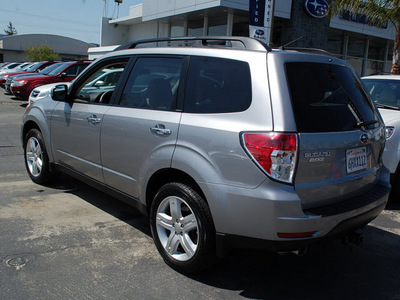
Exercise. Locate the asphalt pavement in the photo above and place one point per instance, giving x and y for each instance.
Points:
(70, 241)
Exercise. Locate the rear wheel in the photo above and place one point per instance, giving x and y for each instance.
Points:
(182, 228)
(396, 186)
(36, 159)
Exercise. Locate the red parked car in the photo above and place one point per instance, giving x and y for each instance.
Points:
(22, 87)
(34, 67)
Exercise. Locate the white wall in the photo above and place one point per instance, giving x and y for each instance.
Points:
(388, 33)
(113, 34)
(155, 9)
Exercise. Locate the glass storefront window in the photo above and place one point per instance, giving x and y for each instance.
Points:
(356, 46)
(195, 27)
(217, 25)
(178, 29)
(356, 62)
(240, 25)
(334, 45)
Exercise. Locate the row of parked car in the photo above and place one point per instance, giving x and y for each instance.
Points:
(20, 79)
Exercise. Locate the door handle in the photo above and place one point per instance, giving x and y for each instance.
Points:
(94, 120)
(160, 130)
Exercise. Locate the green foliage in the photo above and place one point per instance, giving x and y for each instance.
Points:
(39, 53)
(378, 13)
(10, 29)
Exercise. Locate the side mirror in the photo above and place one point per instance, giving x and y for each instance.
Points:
(99, 83)
(60, 92)
(63, 75)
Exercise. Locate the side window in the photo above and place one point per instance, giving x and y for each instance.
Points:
(153, 84)
(99, 87)
(72, 71)
(217, 85)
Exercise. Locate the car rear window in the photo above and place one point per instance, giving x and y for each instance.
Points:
(217, 85)
(328, 97)
(384, 91)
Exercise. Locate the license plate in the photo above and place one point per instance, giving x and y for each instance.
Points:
(356, 159)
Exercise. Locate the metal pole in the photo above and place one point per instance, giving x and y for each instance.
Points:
(365, 61)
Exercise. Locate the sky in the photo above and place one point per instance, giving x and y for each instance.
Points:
(79, 19)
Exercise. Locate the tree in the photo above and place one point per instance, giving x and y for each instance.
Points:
(376, 13)
(10, 29)
(39, 53)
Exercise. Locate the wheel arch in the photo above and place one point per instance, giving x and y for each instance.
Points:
(164, 176)
(36, 120)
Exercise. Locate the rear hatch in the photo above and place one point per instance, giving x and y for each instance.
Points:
(340, 133)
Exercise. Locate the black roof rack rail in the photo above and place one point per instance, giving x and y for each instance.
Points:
(205, 41)
(308, 50)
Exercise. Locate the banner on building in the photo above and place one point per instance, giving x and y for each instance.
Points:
(261, 13)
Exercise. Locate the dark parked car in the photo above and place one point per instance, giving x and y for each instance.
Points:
(67, 71)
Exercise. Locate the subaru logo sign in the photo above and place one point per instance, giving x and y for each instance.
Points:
(364, 138)
(316, 8)
(260, 32)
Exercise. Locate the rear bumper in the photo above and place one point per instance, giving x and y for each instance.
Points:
(327, 222)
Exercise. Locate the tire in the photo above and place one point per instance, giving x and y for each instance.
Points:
(182, 228)
(395, 194)
(36, 159)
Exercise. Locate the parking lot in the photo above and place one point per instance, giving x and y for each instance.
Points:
(70, 241)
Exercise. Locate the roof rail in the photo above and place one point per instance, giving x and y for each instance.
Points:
(308, 50)
(236, 42)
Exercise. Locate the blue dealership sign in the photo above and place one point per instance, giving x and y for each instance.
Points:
(261, 13)
(316, 8)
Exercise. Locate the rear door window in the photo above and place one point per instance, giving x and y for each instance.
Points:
(153, 84)
(217, 85)
(327, 98)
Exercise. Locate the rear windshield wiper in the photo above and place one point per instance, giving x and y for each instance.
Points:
(387, 106)
(366, 123)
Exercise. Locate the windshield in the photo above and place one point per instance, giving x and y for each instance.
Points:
(33, 67)
(328, 97)
(384, 91)
(58, 69)
(50, 68)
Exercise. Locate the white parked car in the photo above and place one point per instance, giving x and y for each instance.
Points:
(43, 91)
(385, 91)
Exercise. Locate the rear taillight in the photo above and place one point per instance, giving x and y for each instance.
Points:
(274, 153)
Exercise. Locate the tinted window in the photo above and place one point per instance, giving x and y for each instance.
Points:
(100, 86)
(58, 69)
(327, 97)
(50, 68)
(74, 70)
(153, 84)
(384, 91)
(217, 85)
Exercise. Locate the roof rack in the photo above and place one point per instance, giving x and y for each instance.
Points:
(308, 50)
(237, 42)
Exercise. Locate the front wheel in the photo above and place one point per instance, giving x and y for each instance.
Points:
(36, 159)
(182, 228)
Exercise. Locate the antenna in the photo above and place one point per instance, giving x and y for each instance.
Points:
(118, 2)
(282, 47)
(105, 9)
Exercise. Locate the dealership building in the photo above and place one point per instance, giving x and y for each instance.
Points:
(299, 23)
(12, 48)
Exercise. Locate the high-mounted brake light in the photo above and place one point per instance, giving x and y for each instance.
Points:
(274, 153)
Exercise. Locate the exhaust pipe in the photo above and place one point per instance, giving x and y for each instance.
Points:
(298, 252)
(354, 238)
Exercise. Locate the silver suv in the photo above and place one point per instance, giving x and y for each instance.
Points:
(223, 142)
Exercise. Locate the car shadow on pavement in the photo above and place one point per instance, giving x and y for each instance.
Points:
(329, 270)
(103, 201)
